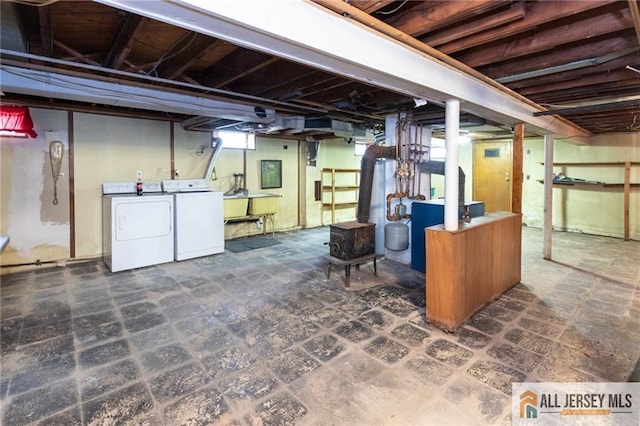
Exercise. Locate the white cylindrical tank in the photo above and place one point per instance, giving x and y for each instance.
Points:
(396, 236)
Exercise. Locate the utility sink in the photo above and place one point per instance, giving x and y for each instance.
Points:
(263, 203)
(235, 206)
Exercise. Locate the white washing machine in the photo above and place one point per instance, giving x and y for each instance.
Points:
(137, 230)
(199, 218)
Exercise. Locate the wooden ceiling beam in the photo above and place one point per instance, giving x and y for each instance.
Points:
(227, 68)
(333, 110)
(184, 55)
(348, 92)
(609, 72)
(370, 6)
(515, 12)
(46, 32)
(293, 78)
(320, 88)
(611, 90)
(75, 54)
(538, 15)
(305, 87)
(249, 72)
(553, 58)
(31, 23)
(589, 108)
(635, 14)
(426, 16)
(121, 46)
(548, 39)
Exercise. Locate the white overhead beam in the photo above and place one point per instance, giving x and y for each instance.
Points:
(310, 34)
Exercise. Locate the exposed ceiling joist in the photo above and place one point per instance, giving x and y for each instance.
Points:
(605, 106)
(121, 47)
(635, 14)
(568, 66)
(552, 53)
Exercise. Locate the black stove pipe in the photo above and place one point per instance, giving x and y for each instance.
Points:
(367, 166)
(437, 167)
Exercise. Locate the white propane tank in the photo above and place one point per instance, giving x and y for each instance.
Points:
(396, 236)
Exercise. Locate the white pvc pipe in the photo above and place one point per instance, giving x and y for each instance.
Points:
(452, 129)
(548, 196)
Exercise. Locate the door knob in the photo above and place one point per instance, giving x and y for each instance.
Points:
(506, 176)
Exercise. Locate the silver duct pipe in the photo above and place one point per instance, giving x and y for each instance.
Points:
(367, 166)
(217, 149)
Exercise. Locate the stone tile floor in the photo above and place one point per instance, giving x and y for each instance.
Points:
(262, 337)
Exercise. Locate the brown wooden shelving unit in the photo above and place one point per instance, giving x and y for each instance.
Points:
(334, 188)
(626, 185)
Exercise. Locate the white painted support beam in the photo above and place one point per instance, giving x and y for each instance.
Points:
(294, 30)
(548, 197)
(451, 176)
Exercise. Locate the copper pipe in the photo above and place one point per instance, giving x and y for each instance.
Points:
(394, 217)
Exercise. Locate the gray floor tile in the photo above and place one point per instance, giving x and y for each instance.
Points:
(263, 337)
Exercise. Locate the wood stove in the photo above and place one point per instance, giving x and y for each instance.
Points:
(351, 240)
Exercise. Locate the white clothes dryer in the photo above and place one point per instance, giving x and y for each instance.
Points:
(137, 230)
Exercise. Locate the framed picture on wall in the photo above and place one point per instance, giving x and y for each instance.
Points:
(271, 174)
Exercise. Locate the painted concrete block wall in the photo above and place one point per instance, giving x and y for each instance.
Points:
(233, 161)
(39, 230)
(592, 210)
(287, 152)
(192, 152)
(112, 149)
(337, 154)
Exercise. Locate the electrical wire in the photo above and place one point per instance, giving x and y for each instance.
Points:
(35, 3)
(389, 12)
(166, 56)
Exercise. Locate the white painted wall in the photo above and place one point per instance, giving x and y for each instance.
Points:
(592, 210)
(114, 148)
(337, 154)
(38, 229)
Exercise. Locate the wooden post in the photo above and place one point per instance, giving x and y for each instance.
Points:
(72, 185)
(516, 180)
(548, 196)
(627, 188)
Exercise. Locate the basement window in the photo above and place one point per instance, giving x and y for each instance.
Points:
(360, 147)
(236, 140)
(437, 150)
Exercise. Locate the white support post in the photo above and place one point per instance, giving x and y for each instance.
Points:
(548, 196)
(452, 129)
